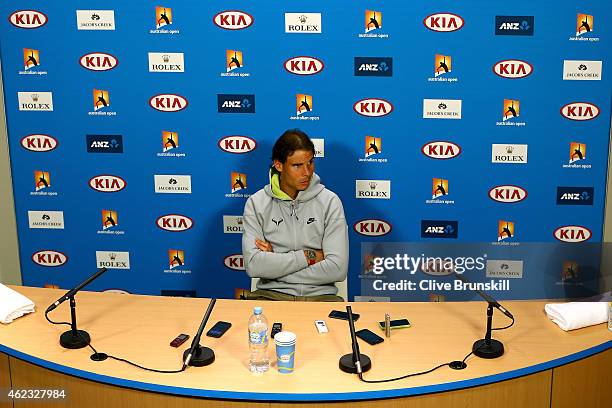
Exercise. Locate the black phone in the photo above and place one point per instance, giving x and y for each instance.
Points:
(336, 314)
(218, 329)
(276, 328)
(369, 336)
(396, 324)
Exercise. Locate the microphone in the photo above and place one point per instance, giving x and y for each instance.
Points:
(354, 363)
(197, 355)
(486, 297)
(487, 347)
(74, 291)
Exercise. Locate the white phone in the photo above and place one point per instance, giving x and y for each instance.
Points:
(321, 326)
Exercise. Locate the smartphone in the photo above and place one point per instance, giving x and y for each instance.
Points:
(396, 324)
(336, 314)
(218, 329)
(180, 339)
(276, 328)
(369, 336)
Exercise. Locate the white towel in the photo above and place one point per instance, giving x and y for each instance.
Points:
(13, 305)
(575, 315)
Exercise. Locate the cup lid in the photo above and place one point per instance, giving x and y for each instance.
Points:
(285, 337)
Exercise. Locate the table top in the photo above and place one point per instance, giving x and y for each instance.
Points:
(139, 328)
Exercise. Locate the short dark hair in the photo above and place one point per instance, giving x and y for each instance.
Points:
(290, 141)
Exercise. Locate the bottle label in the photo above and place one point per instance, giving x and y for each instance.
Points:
(258, 337)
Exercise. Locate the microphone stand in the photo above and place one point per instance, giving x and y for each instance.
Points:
(74, 338)
(355, 362)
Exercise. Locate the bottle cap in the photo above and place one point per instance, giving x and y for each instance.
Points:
(257, 310)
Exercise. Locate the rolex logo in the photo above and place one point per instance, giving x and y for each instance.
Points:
(34, 97)
(373, 185)
(165, 57)
(239, 220)
(509, 149)
(303, 19)
(113, 256)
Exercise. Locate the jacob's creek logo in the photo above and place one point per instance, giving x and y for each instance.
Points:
(110, 223)
(233, 224)
(304, 65)
(373, 66)
(373, 147)
(106, 183)
(512, 69)
(439, 229)
(31, 62)
(304, 108)
(443, 22)
(372, 227)
(585, 26)
(39, 143)
(303, 23)
(373, 107)
(172, 184)
(28, 19)
(166, 62)
(572, 233)
(98, 61)
(237, 144)
(514, 25)
(101, 104)
(441, 150)
(582, 70)
(233, 20)
(580, 111)
(95, 19)
(439, 191)
(46, 219)
(168, 102)
(49, 257)
(104, 143)
(42, 181)
(35, 101)
(174, 222)
(235, 103)
(373, 25)
(442, 108)
(235, 262)
(505, 230)
(510, 153)
(507, 194)
(176, 262)
(570, 271)
(575, 195)
(510, 112)
(170, 143)
(504, 269)
(113, 259)
(380, 189)
(234, 64)
(577, 153)
(163, 21)
(443, 67)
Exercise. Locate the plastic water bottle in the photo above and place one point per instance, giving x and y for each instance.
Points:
(258, 342)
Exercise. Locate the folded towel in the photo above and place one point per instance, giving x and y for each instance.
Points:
(13, 305)
(575, 315)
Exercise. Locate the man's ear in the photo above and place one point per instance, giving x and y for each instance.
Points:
(278, 166)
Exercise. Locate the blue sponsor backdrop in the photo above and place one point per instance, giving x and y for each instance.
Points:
(147, 70)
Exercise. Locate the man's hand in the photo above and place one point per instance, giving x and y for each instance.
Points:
(313, 256)
(263, 245)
